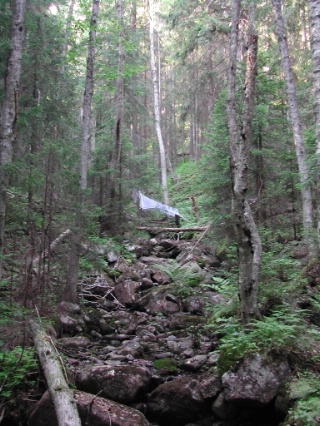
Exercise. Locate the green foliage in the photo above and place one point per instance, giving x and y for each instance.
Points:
(16, 365)
(185, 278)
(305, 389)
(284, 332)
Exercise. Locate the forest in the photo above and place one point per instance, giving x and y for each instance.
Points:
(160, 212)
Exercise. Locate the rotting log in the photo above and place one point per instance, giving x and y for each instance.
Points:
(159, 229)
(62, 397)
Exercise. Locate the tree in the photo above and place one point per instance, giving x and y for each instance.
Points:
(115, 164)
(9, 111)
(156, 99)
(247, 236)
(70, 291)
(307, 208)
(314, 19)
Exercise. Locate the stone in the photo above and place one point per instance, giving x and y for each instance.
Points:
(161, 277)
(176, 402)
(257, 380)
(225, 410)
(194, 363)
(125, 384)
(74, 342)
(126, 292)
(102, 412)
(210, 385)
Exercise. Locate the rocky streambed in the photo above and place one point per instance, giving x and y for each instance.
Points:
(138, 353)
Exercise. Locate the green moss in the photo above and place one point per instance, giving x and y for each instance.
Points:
(166, 366)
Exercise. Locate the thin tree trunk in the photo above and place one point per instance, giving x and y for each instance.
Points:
(314, 19)
(307, 209)
(156, 95)
(9, 111)
(70, 290)
(116, 153)
(67, 36)
(248, 240)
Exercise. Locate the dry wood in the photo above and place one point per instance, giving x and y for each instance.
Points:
(158, 229)
(51, 249)
(62, 397)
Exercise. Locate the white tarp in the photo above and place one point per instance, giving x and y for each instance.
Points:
(146, 203)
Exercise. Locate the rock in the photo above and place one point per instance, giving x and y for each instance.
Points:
(68, 325)
(194, 304)
(154, 301)
(257, 381)
(111, 257)
(210, 385)
(180, 345)
(194, 363)
(125, 384)
(225, 410)
(176, 403)
(69, 308)
(131, 347)
(126, 292)
(161, 277)
(74, 342)
(102, 412)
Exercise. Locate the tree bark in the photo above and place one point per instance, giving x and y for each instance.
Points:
(70, 290)
(67, 36)
(157, 115)
(307, 209)
(9, 111)
(62, 397)
(115, 164)
(247, 236)
(314, 19)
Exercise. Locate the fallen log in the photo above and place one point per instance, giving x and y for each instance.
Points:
(62, 397)
(158, 229)
(53, 246)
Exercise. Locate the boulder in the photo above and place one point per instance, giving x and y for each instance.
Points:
(127, 292)
(74, 342)
(158, 300)
(176, 403)
(99, 411)
(257, 381)
(122, 383)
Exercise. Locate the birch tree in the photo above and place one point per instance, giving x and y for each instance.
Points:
(314, 19)
(247, 236)
(307, 209)
(9, 111)
(70, 291)
(156, 102)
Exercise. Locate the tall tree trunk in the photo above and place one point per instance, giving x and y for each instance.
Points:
(67, 36)
(307, 209)
(9, 111)
(156, 95)
(70, 291)
(248, 240)
(115, 164)
(314, 19)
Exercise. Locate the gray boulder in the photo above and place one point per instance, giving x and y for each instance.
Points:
(176, 403)
(257, 381)
(122, 383)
